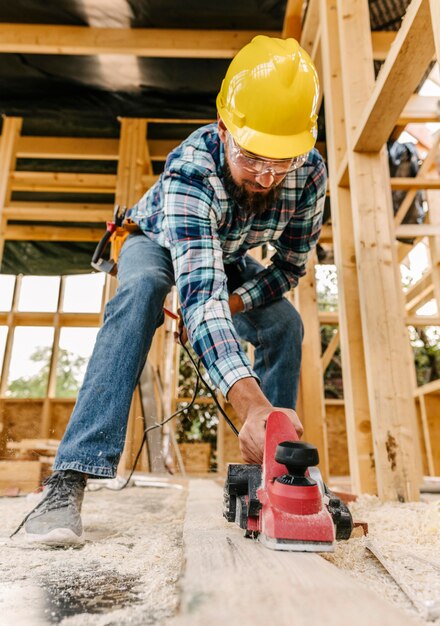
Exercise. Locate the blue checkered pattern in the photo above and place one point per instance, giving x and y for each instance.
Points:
(189, 212)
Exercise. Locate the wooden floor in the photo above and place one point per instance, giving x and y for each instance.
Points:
(236, 581)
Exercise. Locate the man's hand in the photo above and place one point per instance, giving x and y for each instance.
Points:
(253, 409)
(253, 432)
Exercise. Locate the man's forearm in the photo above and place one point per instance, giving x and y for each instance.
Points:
(247, 398)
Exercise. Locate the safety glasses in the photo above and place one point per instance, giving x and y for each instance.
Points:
(256, 165)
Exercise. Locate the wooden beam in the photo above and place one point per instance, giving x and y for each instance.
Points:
(8, 149)
(58, 212)
(419, 293)
(435, 21)
(330, 351)
(401, 73)
(311, 382)
(418, 182)
(357, 411)
(36, 318)
(140, 42)
(310, 26)
(420, 110)
(406, 231)
(68, 182)
(229, 579)
(43, 233)
(67, 148)
(388, 359)
(332, 318)
(85, 148)
(62, 181)
(292, 19)
(423, 171)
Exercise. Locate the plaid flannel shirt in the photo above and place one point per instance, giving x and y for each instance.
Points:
(189, 212)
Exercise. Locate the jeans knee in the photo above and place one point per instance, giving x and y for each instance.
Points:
(287, 322)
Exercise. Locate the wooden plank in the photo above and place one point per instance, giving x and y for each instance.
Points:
(310, 26)
(232, 580)
(311, 381)
(8, 148)
(435, 20)
(292, 19)
(330, 350)
(86, 148)
(434, 243)
(420, 110)
(42, 233)
(388, 359)
(63, 181)
(401, 73)
(423, 171)
(67, 148)
(58, 212)
(419, 182)
(9, 339)
(30, 318)
(357, 411)
(417, 230)
(432, 387)
(141, 42)
(419, 293)
(69, 182)
(426, 435)
(22, 475)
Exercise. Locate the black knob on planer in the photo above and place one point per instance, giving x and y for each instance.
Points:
(297, 456)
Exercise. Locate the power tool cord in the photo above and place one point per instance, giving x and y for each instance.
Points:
(165, 421)
(186, 408)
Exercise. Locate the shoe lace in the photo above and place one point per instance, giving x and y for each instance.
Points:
(63, 490)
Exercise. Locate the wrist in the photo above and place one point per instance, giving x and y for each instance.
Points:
(236, 304)
(248, 400)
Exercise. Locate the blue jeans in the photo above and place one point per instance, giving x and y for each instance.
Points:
(95, 435)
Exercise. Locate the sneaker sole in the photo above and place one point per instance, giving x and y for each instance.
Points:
(57, 537)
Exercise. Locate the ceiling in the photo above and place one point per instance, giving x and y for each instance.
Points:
(80, 94)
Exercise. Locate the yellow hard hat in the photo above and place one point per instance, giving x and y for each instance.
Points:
(269, 96)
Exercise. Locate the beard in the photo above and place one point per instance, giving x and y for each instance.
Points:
(251, 203)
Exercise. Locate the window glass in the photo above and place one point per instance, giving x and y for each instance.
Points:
(29, 367)
(39, 293)
(75, 348)
(7, 283)
(83, 293)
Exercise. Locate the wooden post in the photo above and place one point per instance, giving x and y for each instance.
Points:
(132, 166)
(434, 5)
(312, 384)
(8, 149)
(357, 411)
(52, 376)
(387, 357)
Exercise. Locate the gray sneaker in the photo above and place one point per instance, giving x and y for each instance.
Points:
(56, 520)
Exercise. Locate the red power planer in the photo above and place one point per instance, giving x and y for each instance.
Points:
(284, 502)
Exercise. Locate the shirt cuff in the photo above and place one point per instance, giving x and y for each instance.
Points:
(226, 371)
(246, 298)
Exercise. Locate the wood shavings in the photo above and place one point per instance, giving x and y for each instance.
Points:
(413, 528)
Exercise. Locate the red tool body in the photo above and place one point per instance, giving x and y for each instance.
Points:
(287, 510)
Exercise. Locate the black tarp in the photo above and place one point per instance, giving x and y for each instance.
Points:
(67, 95)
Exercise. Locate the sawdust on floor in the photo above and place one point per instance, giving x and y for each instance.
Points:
(395, 527)
(126, 573)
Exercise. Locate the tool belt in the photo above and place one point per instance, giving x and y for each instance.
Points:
(117, 231)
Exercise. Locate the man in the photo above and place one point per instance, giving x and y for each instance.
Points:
(253, 178)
